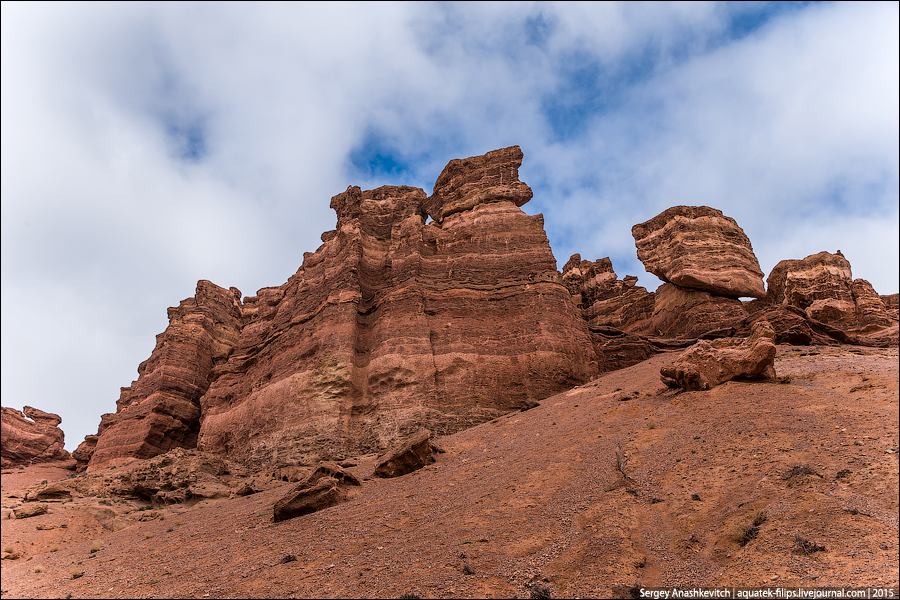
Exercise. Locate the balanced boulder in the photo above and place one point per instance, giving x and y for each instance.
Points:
(699, 247)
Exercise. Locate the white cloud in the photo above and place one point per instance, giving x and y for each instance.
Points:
(146, 146)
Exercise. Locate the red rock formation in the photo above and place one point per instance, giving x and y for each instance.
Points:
(604, 299)
(32, 436)
(391, 325)
(822, 286)
(468, 182)
(161, 410)
(699, 247)
(687, 313)
(708, 364)
(394, 324)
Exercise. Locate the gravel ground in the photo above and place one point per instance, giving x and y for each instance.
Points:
(588, 495)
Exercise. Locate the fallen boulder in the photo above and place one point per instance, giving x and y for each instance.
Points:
(30, 510)
(708, 364)
(305, 499)
(408, 455)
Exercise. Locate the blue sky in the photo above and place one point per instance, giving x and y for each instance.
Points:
(146, 146)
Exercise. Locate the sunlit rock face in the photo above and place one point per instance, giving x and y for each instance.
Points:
(393, 324)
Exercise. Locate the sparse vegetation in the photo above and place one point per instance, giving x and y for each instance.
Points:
(96, 546)
(75, 573)
(759, 517)
(805, 546)
(9, 549)
(148, 535)
(39, 569)
(743, 534)
(651, 425)
(178, 522)
(54, 548)
(799, 470)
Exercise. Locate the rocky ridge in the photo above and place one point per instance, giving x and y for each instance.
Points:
(397, 322)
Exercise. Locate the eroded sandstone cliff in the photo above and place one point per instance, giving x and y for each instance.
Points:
(399, 322)
(393, 324)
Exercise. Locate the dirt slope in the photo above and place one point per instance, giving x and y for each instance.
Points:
(537, 498)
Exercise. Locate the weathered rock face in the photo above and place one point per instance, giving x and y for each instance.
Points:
(468, 182)
(604, 299)
(161, 410)
(31, 436)
(391, 325)
(708, 364)
(822, 286)
(699, 247)
(394, 324)
(687, 313)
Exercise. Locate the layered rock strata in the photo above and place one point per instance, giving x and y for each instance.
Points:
(603, 298)
(706, 262)
(30, 436)
(393, 324)
(161, 410)
(822, 286)
(699, 247)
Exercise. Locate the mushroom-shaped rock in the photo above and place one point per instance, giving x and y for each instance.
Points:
(699, 247)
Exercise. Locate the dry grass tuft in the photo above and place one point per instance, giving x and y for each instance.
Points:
(805, 546)
(97, 546)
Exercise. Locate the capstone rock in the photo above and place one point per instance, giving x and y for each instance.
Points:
(699, 247)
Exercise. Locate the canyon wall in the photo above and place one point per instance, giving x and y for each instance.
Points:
(394, 323)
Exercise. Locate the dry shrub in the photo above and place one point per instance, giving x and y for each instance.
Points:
(805, 546)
